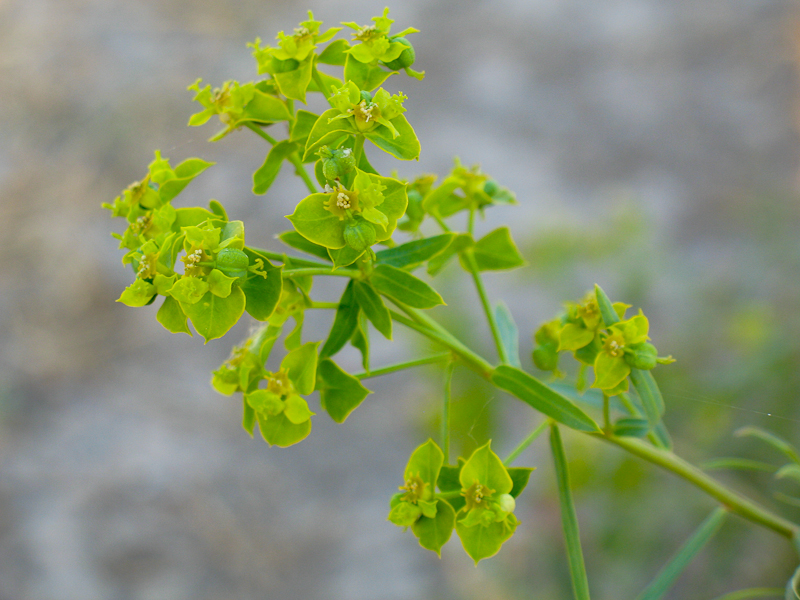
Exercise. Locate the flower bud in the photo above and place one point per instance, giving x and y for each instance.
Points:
(359, 234)
(406, 58)
(491, 187)
(232, 262)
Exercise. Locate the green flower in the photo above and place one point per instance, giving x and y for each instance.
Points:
(375, 201)
(366, 111)
(281, 411)
(487, 519)
(375, 43)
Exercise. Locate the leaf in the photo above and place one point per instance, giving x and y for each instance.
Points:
(744, 464)
(405, 146)
(360, 341)
(267, 172)
(303, 123)
(414, 253)
(519, 479)
(264, 108)
(340, 393)
(569, 520)
(323, 133)
(404, 287)
(647, 389)
(485, 467)
(496, 251)
(297, 411)
(298, 242)
(213, 316)
(172, 317)
(293, 84)
(670, 573)
(262, 295)
(770, 438)
(343, 257)
(435, 533)
(606, 307)
(344, 323)
(365, 76)
(334, 53)
(574, 336)
(509, 335)
(139, 293)
(280, 431)
(631, 427)
(792, 471)
(374, 308)
(535, 393)
(301, 364)
(448, 480)
(316, 224)
(425, 463)
(483, 542)
(184, 172)
(610, 372)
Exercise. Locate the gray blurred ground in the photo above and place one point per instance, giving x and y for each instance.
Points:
(657, 139)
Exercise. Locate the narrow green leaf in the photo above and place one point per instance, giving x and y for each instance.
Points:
(741, 464)
(667, 576)
(375, 310)
(647, 389)
(770, 438)
(535, 393)
(344, 323)
(340, 393)
(298, 242)
(792, 471)
(414, 253)
(267, 172)
(301, 364)
(509, 335)
(660, 437)
(750, 593)
(172, 317)
(606, 307)
(435, 533)
(631, 427)
(360, 341)
(496, 251)
(569, 520)
(213, 316)
(404, 287)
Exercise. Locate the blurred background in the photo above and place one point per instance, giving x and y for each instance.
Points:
(653, 146)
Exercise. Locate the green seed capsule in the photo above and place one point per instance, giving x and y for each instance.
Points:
(359, 235)
(336, 163)
(232, 262)
(545, 357)
(642, 356)
(491, 187)
(406, 58)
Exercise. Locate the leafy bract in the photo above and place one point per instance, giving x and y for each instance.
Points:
(340, 393)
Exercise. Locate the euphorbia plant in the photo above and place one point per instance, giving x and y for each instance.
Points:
(377, 232)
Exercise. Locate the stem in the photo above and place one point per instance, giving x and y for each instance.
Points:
(294, 158)
(730, 499)
(526, 442)
(352, 273)
(487, 308)
(448, 377)
(449, 495)
(324, 305)
(441, 223)
(734, 501)
(428, 360)
(606, 415)
(358, 148)
(282, 257)
(471, 221)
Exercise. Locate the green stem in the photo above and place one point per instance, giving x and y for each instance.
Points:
(294, 158)
(441, 222)
(352, 273)
(487, 308)
(734, 501)
(449, 495)
(606, 415)
(471, 221)
(730, 499)
(358, 148)
(428, 360)
(325, 305)
(448, 377)
(283, 258)
(526, 442)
